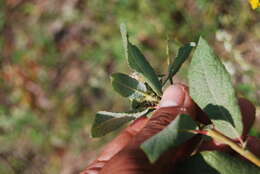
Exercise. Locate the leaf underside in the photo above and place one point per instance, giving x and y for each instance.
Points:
(106, 122)
(211, 88)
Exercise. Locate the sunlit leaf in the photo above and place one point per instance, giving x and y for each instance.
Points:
(211, 88)
(106, 122)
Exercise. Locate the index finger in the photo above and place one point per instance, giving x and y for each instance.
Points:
(116, 145)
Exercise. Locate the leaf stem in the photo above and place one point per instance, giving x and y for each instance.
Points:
(165, 81)
(243, 152)
(168, 51)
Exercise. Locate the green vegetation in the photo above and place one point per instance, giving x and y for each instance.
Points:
(56, 58)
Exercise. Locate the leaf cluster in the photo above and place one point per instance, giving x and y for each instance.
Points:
(210, 87)
(144, 96)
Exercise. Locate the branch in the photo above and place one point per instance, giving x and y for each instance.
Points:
(243, 152)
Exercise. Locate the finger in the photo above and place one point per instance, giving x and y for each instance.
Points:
(177, 95)
(174, 95)
(116, 145)
(180, 102)
(132, 160)
(123, 139)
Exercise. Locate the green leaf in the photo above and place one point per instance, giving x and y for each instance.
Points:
(216, 163)
(171, 136)
(211, 88)
(182, 55)
(131, 88)
(137, 62)
(106, 122)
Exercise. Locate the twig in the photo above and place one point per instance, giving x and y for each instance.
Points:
(245, 153)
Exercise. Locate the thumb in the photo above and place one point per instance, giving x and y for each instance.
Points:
(115, 146)
(132, 160)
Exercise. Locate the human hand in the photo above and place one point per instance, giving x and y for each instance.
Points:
(123, 155)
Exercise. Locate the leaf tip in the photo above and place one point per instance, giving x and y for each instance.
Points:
(122, 27)
(123, 31)
(124, 36)
(202, 41)
(152, 159)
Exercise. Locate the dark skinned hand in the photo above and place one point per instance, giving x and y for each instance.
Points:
(124, 156)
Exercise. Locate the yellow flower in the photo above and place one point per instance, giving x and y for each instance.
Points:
(254, 3)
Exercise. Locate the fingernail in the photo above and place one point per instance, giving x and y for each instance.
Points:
(168, 103)
(174, 95)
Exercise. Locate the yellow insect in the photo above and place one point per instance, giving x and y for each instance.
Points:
(254, 3)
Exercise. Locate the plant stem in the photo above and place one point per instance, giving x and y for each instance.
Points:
(245, 153)
(166, 80)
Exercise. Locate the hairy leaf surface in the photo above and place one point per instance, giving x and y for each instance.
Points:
(211, 88)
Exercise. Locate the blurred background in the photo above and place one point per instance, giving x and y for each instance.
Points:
(56, 57)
